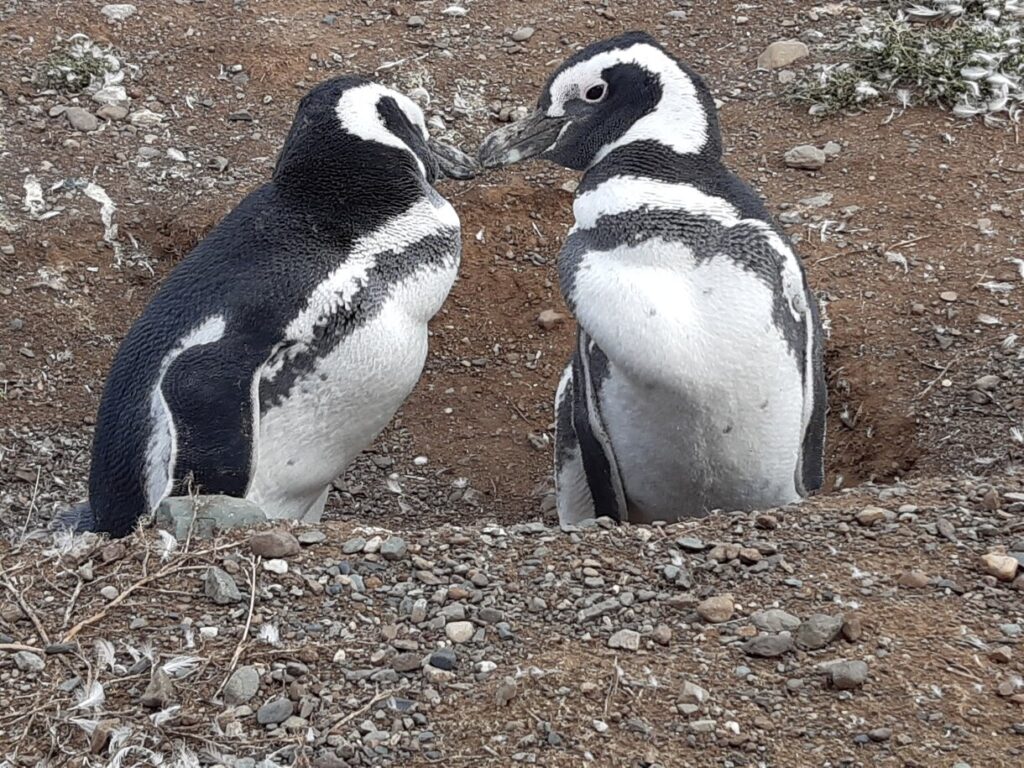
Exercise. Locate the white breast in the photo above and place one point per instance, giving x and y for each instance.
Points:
(336, 409)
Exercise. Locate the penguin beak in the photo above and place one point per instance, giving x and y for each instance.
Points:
(523, 139)
(452, 161)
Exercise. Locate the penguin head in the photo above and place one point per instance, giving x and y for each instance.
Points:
(612, 93)
(351, 124)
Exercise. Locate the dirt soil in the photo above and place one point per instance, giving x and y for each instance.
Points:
(911, 235)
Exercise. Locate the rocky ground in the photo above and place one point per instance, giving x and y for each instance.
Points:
(908, 221)
(878, 625)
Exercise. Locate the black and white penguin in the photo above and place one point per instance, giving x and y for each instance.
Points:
(282, 345)
(697, 381)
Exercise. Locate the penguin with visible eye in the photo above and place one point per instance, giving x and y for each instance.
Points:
(697, 382)
(282, 345)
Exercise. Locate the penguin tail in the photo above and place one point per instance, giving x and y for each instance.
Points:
(78, 518)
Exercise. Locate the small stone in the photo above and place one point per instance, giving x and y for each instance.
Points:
(353, 545)
(600, 726)
(109, 592)
(693, 694)
(29, 662)
(847, 675)
(1001, 655)
(625, 639)
(949, 296)
(818, 631)
(280, 567)
(880, 734)
(914, 579)
(549, 319)
(459, 631)
(987, 383)
(81, 119)
(310, 537)
(871, 515)
(703, 726)
(243, 684)
(716, 609)
(769, 646)
(523, 34)
(831, 149)
(415, 22)
(445, 659)
(805, 156)
(506, 692)
(204, 516)
(112, 112)
(220, 587)
(274, 544)
(118, 11)
(853, 629)
(407, 662)
(275, 711)
(662, 634)
(775, 620)
(782, 53)
(394, 548)
(1003, 567)
(160, 693)
(372, 545)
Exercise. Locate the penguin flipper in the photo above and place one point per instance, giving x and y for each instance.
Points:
(210, 395)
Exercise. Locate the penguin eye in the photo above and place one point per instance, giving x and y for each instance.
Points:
(595, 92)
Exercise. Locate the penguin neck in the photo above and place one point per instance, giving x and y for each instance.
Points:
(379, 179)
(654, 160)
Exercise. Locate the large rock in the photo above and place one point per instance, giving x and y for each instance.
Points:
(213, 514)
(781, 53)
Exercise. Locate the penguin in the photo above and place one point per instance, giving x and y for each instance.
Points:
(285, 341)
(697, 379)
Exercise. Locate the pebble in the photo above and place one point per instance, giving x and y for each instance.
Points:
(445, 659)
(459, 631)
(118, 11)
(871, 515)
(914, 579)
(279, 567)
(407, 662)
(394, 548)
(81, 119)
(549, 319)
(949, 296)
(1003, 567)
(782, 53)
(847, 675)
(354, 545)
(818, 631)
(415, 22)
(310, 537)
(274, 544)
(662, 634)
(769, 646)
(109, 592)
(523, 34)
(775, 620)
(716, 609)
(275, 711)
(242, 686)
(160, 693)
(693, 694)
(29, 662)
(112, 112)
(220, 587)
(805, 156)
(625, 639)
(505, 692)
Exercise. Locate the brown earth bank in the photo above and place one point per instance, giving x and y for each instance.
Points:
(909, 235)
